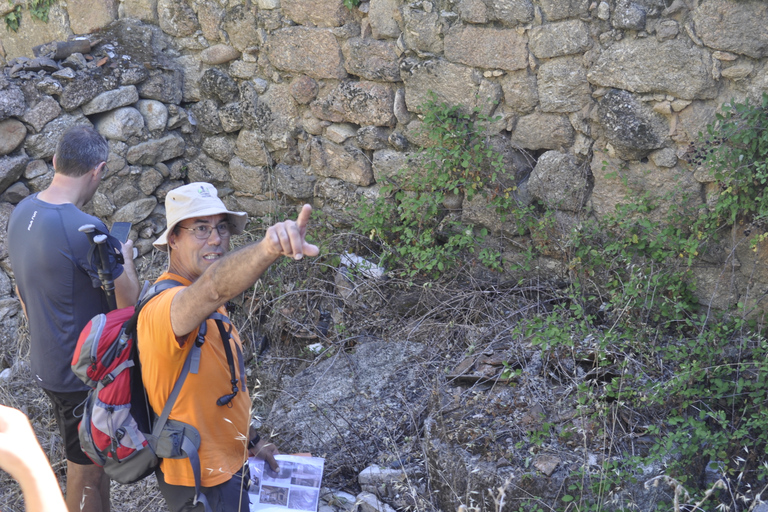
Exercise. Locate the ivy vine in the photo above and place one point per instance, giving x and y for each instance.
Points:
(39, 9)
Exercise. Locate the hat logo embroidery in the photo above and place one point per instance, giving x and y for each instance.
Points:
(204, 192)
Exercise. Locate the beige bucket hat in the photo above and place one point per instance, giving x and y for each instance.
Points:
(196, 200)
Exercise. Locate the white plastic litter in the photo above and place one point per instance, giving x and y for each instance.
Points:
(315, 348)
(365, 267)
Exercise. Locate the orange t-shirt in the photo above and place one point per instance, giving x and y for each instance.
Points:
(223, 429)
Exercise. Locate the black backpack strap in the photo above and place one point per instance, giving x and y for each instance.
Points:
(225, 334)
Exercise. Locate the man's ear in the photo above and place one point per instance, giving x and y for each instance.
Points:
(98, 169)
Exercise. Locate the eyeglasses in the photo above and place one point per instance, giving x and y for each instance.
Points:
(203, 231)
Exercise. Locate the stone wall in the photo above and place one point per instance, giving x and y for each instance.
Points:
(283, 101)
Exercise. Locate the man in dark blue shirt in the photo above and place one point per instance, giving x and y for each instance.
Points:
(59, 290)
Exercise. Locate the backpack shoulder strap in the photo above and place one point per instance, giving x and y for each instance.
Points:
(192, 360)
(156, 289)
(148, 293)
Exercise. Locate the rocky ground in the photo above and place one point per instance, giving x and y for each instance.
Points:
(419, 395)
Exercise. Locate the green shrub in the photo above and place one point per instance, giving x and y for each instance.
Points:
(13, 19)
(417, 231)
(40, 9)
(630, 314)
(735, 152)
(37, 9)
(627, 321)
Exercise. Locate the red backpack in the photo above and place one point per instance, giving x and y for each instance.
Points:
(118, 430)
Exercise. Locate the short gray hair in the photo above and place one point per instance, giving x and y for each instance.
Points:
(80, 150)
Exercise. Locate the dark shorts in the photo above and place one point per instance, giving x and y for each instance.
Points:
(231, 496)
(67, 408)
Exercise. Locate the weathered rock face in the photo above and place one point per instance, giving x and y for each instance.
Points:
(562, 86)
(218, 54)
(422, 29)
(239, 23)
(555, 10)
(543, 131)
(120, 124)
(331, 96)
(737, 27)
(486, 48)
(520, 91)
(559, 39)
(371, 59)
(86, 17)
(43, 144)
(177, 17)
(38, 116)
(165, 86)
(143, 10)
(633, 128)
(294, 182)
(358, 102)
(314, 52)
(346, 163)
(382, 16)
(250, 147)
(324, 420)
(154, 151)
(321, 13)
(647, 66)
(110, 100)
(12, 134)
(217, 84)
(559, 181)
(452, 83)
(512, 12)
(665, 186)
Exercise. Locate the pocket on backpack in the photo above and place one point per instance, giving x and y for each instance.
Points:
(137, 466)
(170, 443)
(111, 439)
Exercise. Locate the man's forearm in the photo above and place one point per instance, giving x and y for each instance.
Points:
(225, 279)
(240, 269)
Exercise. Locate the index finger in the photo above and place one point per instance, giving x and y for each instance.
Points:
(304, 214)
(269, 458)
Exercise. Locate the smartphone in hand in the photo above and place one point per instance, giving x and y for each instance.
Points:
(120, 230)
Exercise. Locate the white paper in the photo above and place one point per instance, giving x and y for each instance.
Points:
(296, 487)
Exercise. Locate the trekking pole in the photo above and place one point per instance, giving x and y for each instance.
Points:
(99, 242)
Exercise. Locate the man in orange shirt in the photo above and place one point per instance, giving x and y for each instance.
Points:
(214, 398)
